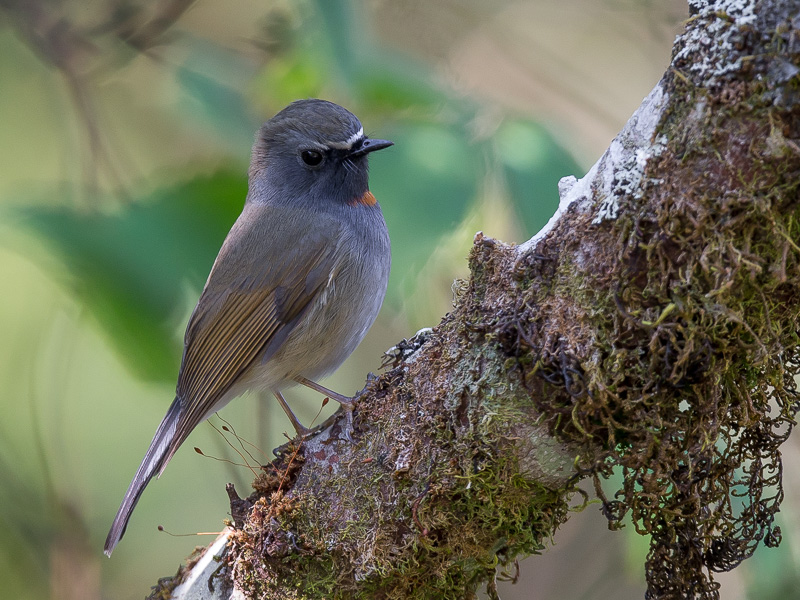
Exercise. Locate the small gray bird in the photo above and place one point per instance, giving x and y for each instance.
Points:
(296, 285)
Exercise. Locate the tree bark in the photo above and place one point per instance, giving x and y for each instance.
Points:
(651, 328)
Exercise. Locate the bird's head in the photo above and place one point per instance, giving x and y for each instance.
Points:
(315, 151)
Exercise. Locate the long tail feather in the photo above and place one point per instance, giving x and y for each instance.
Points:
(154, 461)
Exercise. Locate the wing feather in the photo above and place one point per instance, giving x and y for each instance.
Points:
(240, 313)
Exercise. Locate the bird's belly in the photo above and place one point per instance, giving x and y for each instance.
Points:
(326, 335)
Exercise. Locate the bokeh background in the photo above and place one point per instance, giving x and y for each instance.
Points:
(125, 131)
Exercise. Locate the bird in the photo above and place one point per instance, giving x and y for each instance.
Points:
(297, 283)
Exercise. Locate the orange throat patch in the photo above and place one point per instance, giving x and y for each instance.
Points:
(367, 200)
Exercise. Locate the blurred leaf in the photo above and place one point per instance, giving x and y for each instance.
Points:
(326, 58)
(26, 530)
(345, 33)
(395, 85)
(217, 105)
(532, 162)
(375, 77)
(288, 78)
(424, 184)
(131, 269)
(212, 80)
(277, 32)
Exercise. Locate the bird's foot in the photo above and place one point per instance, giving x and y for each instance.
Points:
(348, 404)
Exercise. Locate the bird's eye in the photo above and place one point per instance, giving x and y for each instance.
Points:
(311, 157)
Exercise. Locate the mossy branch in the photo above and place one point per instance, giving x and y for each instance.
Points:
(650, 328)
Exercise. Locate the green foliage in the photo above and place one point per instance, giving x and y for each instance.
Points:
(423, 186)
(136, 269)
(532, 163)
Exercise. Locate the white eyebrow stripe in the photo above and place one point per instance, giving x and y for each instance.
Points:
(348, 143)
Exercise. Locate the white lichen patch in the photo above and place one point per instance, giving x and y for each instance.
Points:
(624, 164)
(741, 10)
(708, 50)
(618, 173)
(628, 178)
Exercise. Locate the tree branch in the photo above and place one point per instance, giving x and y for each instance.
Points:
(651, 328)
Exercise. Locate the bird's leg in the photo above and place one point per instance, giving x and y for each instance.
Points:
(301, 430)
(348, 404)
(345, 401)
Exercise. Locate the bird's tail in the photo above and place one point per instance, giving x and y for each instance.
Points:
(158, 454)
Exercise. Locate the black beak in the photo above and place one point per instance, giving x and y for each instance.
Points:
(368, 145)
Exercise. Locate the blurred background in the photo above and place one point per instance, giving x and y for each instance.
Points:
(125, 132)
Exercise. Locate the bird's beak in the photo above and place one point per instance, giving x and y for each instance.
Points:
(369, 145)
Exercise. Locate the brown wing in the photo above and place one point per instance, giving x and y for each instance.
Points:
(252, 297)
